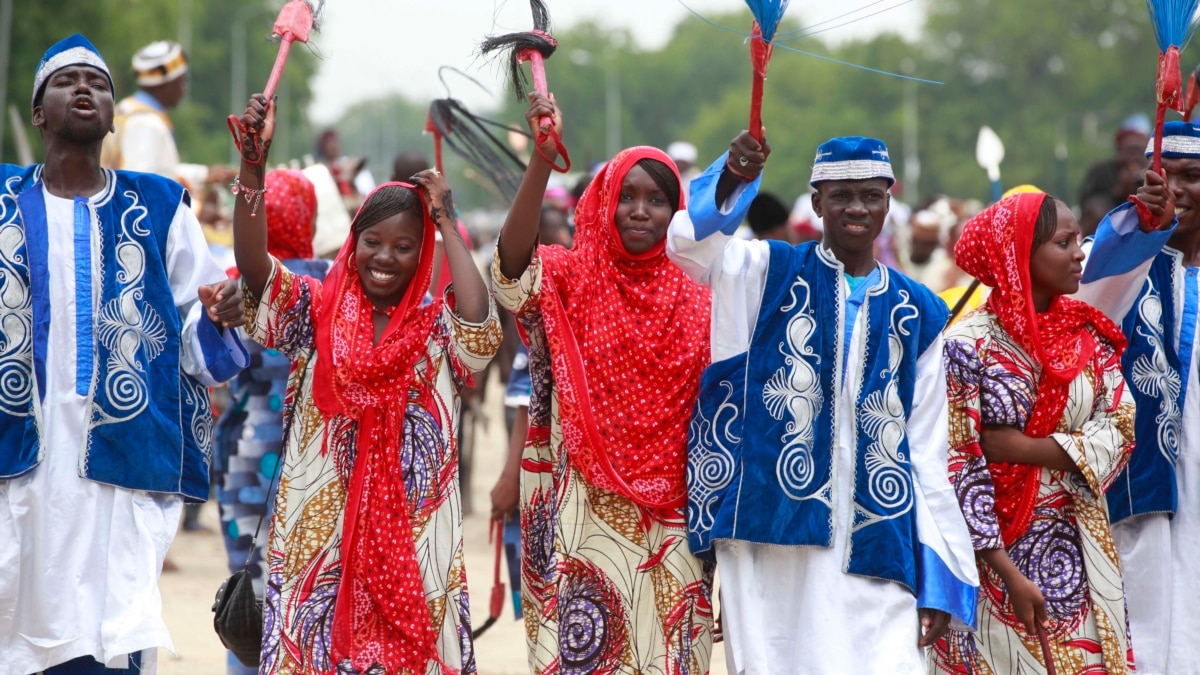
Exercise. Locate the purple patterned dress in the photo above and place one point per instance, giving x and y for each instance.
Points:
(1068, 551)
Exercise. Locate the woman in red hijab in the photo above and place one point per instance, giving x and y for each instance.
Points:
(618, 338)
(1040, 426)
(365, 556)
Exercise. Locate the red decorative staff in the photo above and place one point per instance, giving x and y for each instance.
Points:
(474, 138)
(1173, 26)
(496, 531)
(1193, 96)
(535, 47)
(295, 22)
(767, 15)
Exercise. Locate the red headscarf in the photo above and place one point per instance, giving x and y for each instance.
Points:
(291, 203)
(381, 614)
(996, 247)
(629, 337)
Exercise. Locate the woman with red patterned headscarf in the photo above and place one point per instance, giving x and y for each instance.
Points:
(618, 339)
(1040, 426)
(365, 556)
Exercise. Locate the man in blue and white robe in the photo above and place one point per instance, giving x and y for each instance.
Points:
(114, 325)
(817, 474)
(1149, 283)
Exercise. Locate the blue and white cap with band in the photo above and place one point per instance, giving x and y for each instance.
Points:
(852, 158)
(70, 51)
(1180, 140)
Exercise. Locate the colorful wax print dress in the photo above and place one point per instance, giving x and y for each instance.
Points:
(304, 555)
(1068, 549)
(608, 586)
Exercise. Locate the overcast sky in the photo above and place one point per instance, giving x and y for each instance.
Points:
(371, 48)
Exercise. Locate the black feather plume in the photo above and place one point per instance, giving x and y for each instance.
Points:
(538, 39)
(471, 138)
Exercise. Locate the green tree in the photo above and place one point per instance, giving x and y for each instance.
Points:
(119, 28)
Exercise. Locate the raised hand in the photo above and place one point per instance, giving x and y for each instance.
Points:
(257, 128)
(438, 201)
(544, 107)
(747, 156)
(1155, 202)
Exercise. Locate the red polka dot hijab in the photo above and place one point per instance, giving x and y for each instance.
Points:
(996, 247)
(381, 615)
(291, 204)
(629, 339)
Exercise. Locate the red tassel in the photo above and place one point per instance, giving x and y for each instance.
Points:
(760, 57)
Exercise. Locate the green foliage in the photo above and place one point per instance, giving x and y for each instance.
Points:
(1046, 76)
(119, 28)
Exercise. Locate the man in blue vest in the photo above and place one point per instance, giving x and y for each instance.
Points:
(817, 471)
(1148, 280)
(115, 321)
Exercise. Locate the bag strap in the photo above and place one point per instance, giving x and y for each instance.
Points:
(290, 417)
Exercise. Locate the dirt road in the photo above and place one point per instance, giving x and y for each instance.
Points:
(188, 593)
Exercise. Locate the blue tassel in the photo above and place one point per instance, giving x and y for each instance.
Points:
(1173, 21)
(768, 14)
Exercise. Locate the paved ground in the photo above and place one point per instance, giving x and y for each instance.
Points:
(188, 593)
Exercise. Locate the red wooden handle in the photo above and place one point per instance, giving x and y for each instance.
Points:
(1159, 119)
(756, 97)
(285, 45)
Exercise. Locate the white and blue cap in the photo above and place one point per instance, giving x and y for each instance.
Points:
(70, 51)
(1179, 140)
(852, 158)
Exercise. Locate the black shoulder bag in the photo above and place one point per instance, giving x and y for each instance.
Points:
(237, 611)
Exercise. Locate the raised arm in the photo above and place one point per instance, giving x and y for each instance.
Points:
(518, 237)
(470, 293)
(743, 164)
(249, 212)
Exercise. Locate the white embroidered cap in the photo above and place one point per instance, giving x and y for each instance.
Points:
(159, 62)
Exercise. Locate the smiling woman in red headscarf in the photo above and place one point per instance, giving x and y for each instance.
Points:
(370, 473)
(618, 340)
(1040, 426)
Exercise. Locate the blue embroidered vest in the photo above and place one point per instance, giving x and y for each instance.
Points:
(1153, 371)
(763, 436)
(149, 424)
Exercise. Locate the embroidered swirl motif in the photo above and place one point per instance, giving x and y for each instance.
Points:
(127, 327)
(195, 396)
(888, 479)
(710, 461)
(794, 390)
(16, 310)
(1154, 377)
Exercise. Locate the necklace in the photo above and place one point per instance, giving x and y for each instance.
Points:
(386, 311)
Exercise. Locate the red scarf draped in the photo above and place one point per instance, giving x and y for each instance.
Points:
(996, 247)
(381, 614)
(629, 339)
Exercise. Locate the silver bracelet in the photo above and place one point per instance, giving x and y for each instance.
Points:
(253, 197)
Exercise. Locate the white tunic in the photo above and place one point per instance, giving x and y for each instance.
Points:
(79, 560)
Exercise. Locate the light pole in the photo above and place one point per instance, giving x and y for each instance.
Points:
(612, 96)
